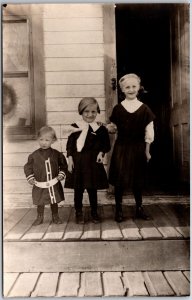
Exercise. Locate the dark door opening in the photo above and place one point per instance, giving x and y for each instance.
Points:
(143, 47)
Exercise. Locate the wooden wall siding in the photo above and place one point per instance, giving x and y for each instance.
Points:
(72, 11)
(77, 77)
(61, 38)
(74, 64)
(69, 104)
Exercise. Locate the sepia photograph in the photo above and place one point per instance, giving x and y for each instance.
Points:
(95, 149)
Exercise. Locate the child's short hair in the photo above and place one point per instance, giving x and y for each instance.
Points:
(127, 76)
(47, 129)
(85, 102)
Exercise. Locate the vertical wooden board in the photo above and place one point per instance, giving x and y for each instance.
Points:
(56, 231)
(91, 231)
(135, 284)
(24, 285)
(13, 219)
(160, 284)
(20, 228)
(8, 281)
(36, 233)
(68, 285)
(128, 227)
(187, 274)
(109, 228)
(91, 285)
(46, 285)
(73, 230)
(163, 223)
(112, 284)
(178, 282)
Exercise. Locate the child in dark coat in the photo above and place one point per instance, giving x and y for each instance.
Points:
(45, 168)
(86, 149)
(134, 122)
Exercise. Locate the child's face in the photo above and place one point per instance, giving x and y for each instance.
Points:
(130, 88)
(89, 114)
(45, 140)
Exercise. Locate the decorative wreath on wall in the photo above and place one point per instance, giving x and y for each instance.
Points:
(9, 100)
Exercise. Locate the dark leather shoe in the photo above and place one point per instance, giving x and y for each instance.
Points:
(56, 219)
(140, 214)
(95, 218)
(39, 220)
(79, 218)
(119, 216)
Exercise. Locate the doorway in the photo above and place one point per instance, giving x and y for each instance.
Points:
(143, 47)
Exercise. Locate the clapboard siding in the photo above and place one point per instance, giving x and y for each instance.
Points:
(74, 50)
(68, 117)
(68, 104)
(73, 24)
(79, 37)
(83, 77)
(74, 64)
(73, 11)
(75, 90)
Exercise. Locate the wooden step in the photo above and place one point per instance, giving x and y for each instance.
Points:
(96, 284)
(80, 256)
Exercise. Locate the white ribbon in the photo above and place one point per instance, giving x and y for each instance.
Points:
(84, 126)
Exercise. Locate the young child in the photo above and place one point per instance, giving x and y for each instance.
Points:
(85, 151)
(134, 122)
(45, 168)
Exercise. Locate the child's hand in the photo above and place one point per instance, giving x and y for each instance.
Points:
(148, 155)
(60, 177)
(100, 158)
(70, 164)
(32, 181)
(112, 128)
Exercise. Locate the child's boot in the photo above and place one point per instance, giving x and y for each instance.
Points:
(40, 215)
(140, 213)
(79, 217)
(95, 217)
(119, 214)
(55, 216)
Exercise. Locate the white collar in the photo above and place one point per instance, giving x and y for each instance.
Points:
(83, 125)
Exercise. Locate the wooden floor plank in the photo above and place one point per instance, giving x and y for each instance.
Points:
(180, 213)
(24, 285)
(163, 223)
(177, 220)
(7, 212)
(91, 231)
(36, 233)
(73, 230)
(149, 285)
(112, 283)
(8, 281)
(187, 275)
(100, 256)
(69, 284)
(178, 282)
(56, 231)
(128, 227)
(91, 285)
(109, 228)
(22, 226)
(46, 285)
(13, 219)
(160, 284)
(135, 284)
(147, 230)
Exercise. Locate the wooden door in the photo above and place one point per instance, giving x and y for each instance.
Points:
(180, 90)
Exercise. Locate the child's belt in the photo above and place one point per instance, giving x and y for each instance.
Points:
(46, 184)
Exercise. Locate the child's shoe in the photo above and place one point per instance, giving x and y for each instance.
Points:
(79, 218)
(56, 219)
(39, 220)
(95, 218)
(140, 214)
(119, 216)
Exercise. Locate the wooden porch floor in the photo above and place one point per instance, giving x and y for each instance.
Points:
(132, 258)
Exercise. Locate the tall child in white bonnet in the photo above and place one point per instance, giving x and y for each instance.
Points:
(135, 132)
(86, 149)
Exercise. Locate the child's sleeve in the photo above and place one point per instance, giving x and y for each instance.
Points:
(71, 145)
(105, 141)
(113, 118)
(62, 165)
(28, 168)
